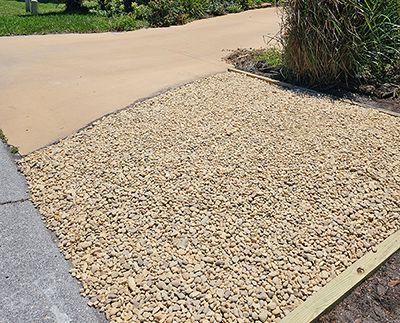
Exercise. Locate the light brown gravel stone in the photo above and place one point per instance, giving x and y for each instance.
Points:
(226, 199)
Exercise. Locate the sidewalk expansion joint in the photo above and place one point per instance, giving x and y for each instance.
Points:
(13, 202)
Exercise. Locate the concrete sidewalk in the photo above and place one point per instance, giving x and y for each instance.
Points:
(35, 285)
(52, 85)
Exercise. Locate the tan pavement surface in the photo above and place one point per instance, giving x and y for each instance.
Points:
(52, 85)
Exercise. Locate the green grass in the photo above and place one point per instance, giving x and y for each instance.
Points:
(2, 136)
(272, 56)
(13, 149)
(9, 8)
(53, 19)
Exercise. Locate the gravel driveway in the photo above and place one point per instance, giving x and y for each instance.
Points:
(227, 199)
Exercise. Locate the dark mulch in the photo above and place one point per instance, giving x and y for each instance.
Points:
(377, 300)
(380, 96)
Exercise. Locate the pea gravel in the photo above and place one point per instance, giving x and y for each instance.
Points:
(227, 199)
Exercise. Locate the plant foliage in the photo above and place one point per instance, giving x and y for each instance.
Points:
(331, 41)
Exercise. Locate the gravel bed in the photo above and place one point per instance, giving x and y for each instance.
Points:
(227, 199)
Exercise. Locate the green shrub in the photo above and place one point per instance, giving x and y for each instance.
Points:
(73, 5)
(110, 8)
(378, 53)
(326, 42)
(194, 8)
(234, 8)
(175, 12)
(162, 12)
(171, 12)
(140, 11)
(123, 22)
(246, 4)
(216, 8)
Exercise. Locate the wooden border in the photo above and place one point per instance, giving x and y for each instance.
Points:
(295, 87)
(339, 287)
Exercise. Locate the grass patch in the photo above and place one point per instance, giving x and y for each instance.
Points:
(10, 8)
(13, 149)
(271, 56)
(53, 19)
(3, 138)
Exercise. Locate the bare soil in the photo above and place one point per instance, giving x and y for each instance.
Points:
(380, 96)
(375, 300)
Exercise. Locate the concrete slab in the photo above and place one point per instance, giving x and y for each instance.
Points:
(52, 85)
(12, 184)
(35, 284)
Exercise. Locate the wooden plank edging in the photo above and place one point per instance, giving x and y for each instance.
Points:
(303, 89)
(339, 287)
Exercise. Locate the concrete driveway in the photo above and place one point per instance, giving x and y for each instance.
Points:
(52, 85)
